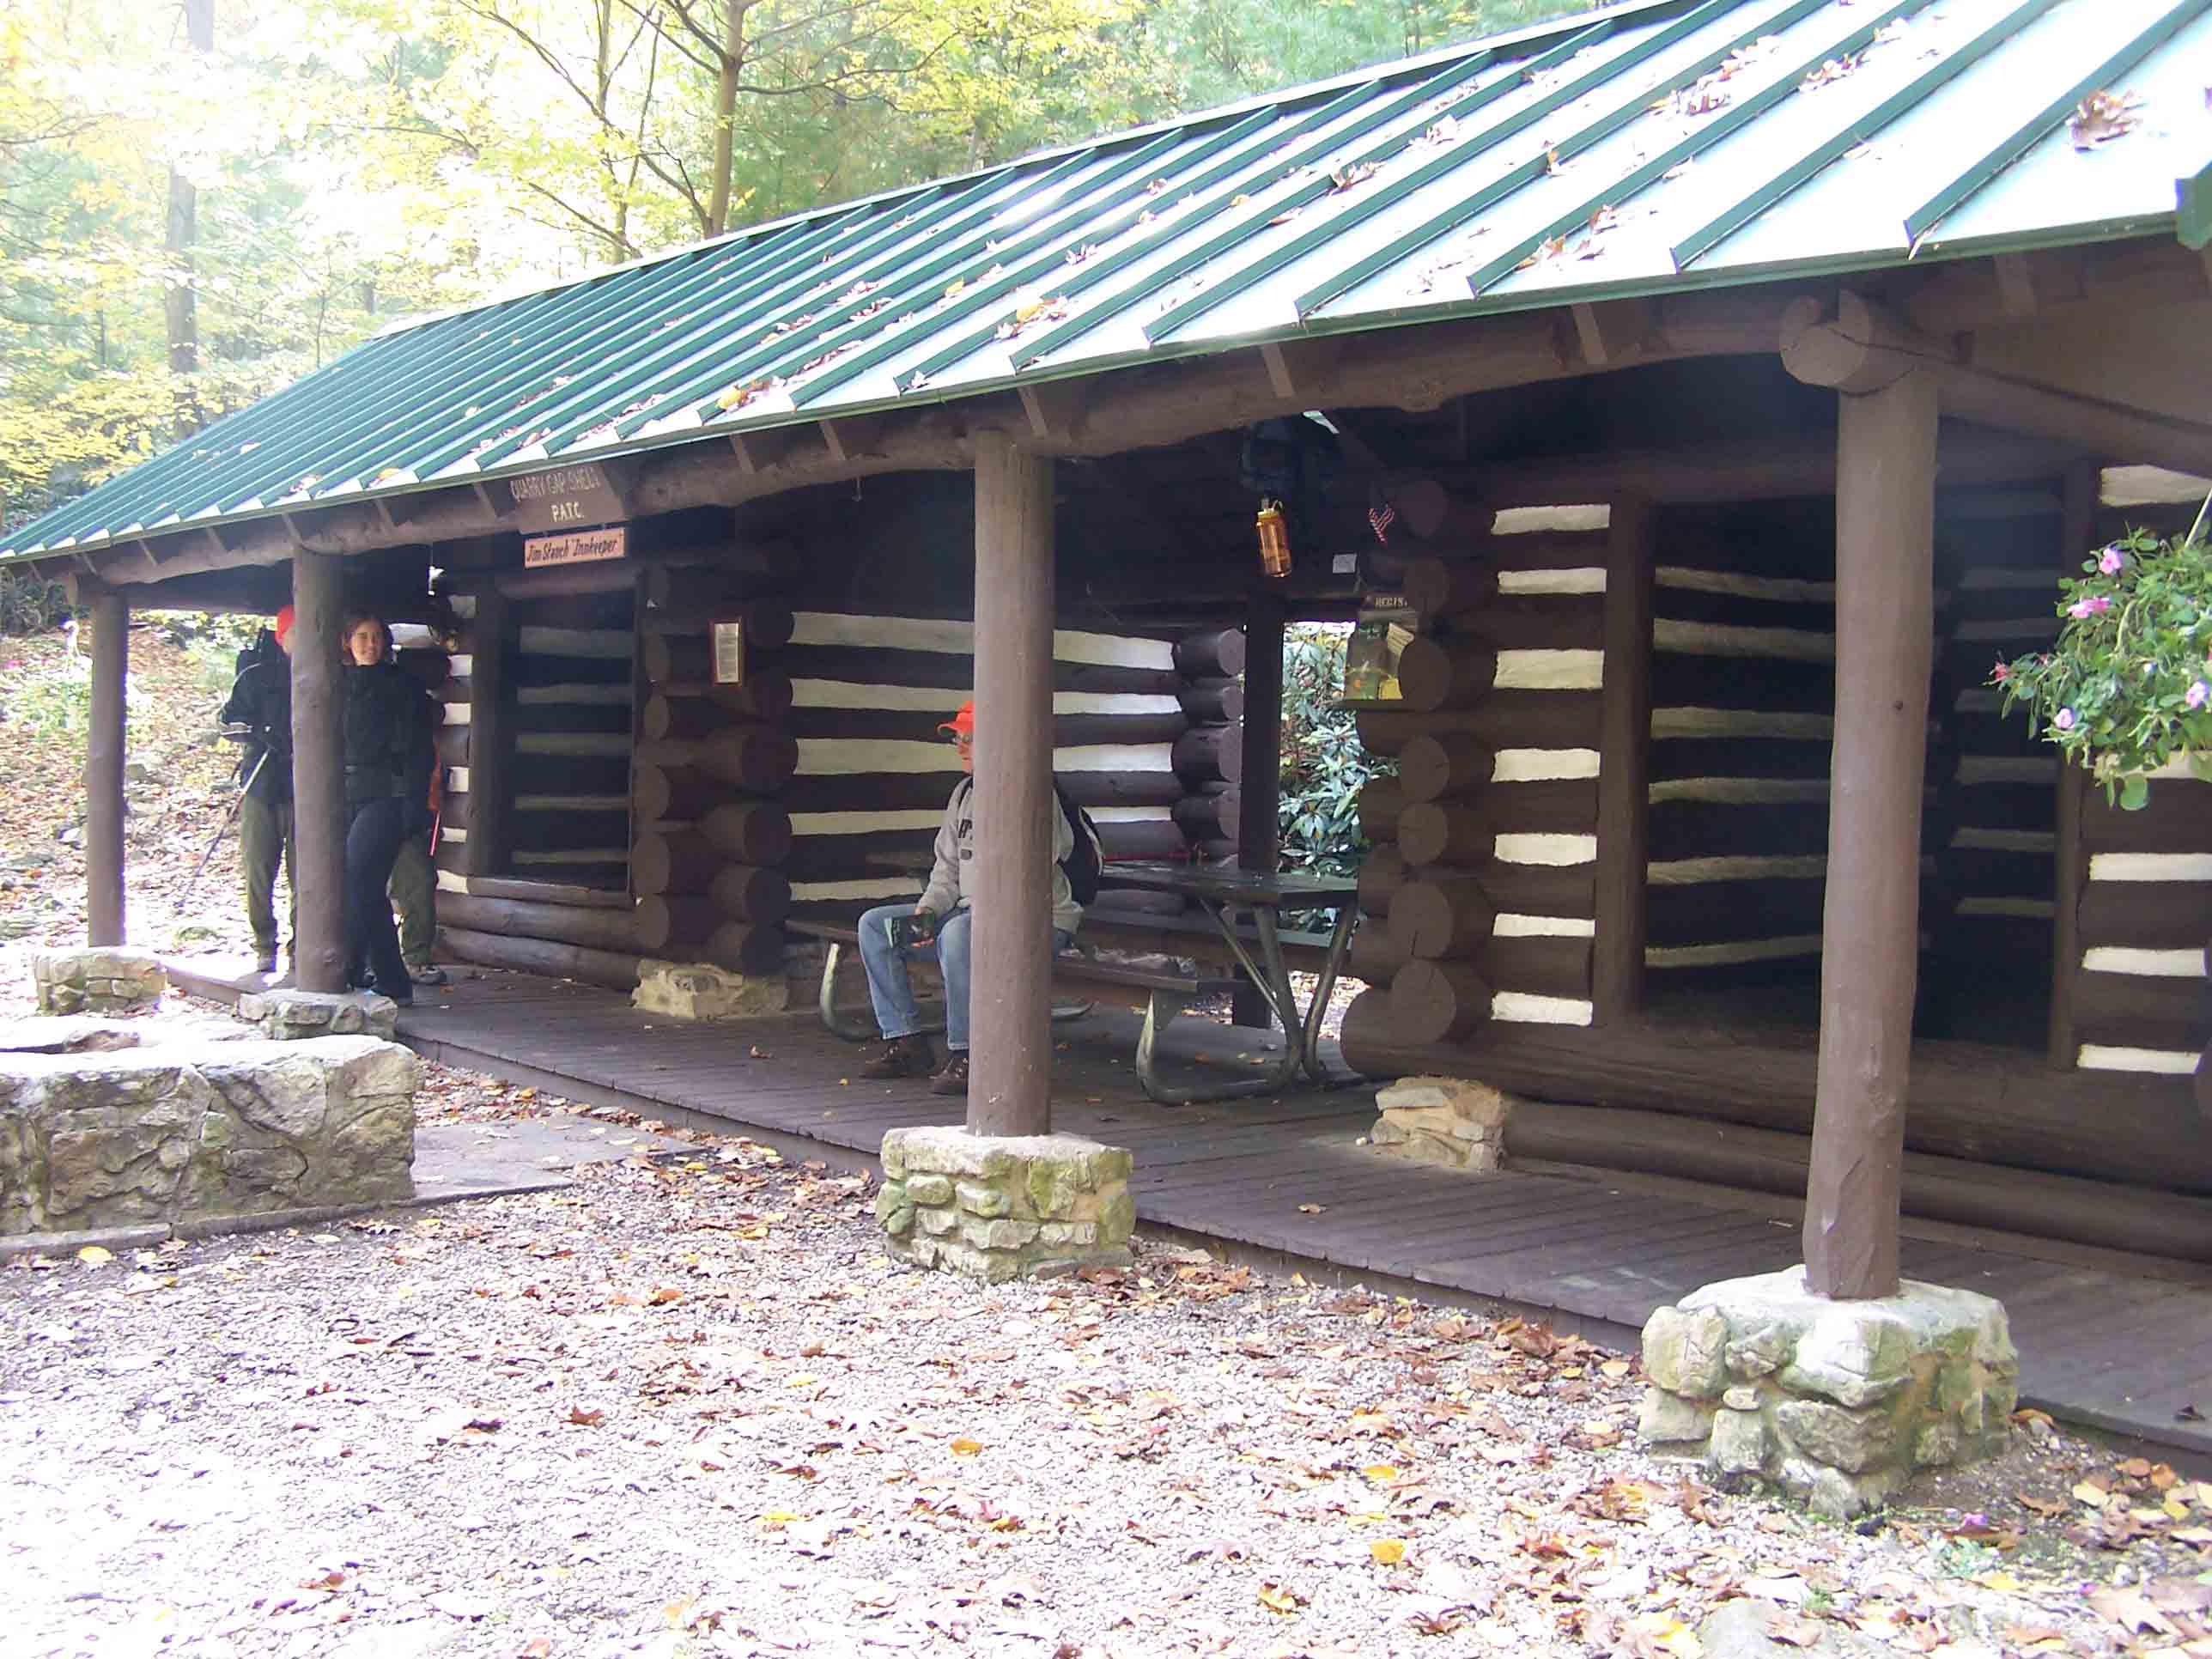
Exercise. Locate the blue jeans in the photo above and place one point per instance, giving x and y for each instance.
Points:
(887, 986)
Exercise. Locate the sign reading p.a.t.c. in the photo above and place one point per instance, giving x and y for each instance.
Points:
(567, 498)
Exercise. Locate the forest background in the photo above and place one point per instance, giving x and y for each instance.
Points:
(201, 200)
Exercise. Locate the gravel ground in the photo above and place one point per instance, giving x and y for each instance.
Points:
(688, 1406)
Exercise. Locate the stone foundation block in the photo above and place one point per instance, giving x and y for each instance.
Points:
(100, 980)
(996, 1209)
(700, 990)
(66, 1034)
(1844, 1400)
(1452, 1122)
(165, 1134)
(295, 1016)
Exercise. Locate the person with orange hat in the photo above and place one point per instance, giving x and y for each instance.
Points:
(939, 925)
(259, 711)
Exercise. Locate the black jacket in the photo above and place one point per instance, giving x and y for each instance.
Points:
(388, 738)
(261, 698)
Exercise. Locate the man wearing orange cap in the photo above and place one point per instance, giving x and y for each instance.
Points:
(943, 931)
(260, 703)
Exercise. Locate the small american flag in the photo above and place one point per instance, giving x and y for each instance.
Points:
(1381, 518)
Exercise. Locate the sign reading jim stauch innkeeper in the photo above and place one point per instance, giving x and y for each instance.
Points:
(577, 547)
(565, 498)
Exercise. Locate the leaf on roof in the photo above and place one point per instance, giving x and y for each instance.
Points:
(1285, 215)
(1076, 255)
(389, 475)
(1550, 248)
(827, 357)
(1031, 311)
(1676, 171)
(1552, 163)
(1154, 187)
(857, 293)
(867, 311)
(737, 397)
(1345, 178)
(2104, 115)
(918, 381)
(1702, 97)
(1239, 199)
(1834, 69)
(1896, 29)
(959, 286)
(1441, 132)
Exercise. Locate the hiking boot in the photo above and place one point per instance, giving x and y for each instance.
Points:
(953, 1079)
(264, 959)
(428, 973)
(907, 1056)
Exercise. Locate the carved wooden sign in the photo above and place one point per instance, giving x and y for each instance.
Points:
(578, 547)
(567, 498)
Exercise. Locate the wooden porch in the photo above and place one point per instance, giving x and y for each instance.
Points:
(2115, 1342)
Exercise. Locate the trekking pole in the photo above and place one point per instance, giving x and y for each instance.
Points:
(223, 828)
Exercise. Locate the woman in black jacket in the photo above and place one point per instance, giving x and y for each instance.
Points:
(384, 779)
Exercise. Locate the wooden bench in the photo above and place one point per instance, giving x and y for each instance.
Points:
(1160, 996)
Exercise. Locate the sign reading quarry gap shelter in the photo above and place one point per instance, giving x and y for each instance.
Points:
(567, 498)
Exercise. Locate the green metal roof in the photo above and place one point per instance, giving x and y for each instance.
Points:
(1630, 151)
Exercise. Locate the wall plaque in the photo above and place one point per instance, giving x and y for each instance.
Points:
(567, 498)
(578, 547)
(729, 653)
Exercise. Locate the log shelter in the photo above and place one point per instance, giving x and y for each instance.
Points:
(1739, 377)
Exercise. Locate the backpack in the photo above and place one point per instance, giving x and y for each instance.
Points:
(1086, 860)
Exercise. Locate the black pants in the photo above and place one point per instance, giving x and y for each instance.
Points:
(373, 837)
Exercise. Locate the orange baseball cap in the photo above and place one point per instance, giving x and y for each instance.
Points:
(962, 724)
(283, 623)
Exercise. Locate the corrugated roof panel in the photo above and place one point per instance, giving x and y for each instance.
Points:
(1525, 171)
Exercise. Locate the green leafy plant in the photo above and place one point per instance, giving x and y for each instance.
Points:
(2127, 687)
(30, 604)
(1323, 766)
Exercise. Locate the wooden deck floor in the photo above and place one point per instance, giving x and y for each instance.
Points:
(2106, 1349)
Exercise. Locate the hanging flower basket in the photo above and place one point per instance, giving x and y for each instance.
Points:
(2127, 687)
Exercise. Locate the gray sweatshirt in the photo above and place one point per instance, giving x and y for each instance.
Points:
(951, 879)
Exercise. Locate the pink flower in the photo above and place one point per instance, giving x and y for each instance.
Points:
(2063, 719)
(2002, 671)
(2111, 559)
(2197, 693)
(2094, 606)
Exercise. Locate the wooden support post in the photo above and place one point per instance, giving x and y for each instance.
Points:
(1258, 835)
(492, 638)
(1624, 768)
(319, 771)
(103, 769)
(2069, 861)
(1869, 959)
(1009, 997)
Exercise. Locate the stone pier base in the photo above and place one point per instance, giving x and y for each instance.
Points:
(1839, 1403)
(1450, 1121)
(700, 990)
(295, 1016)
(1008, 1207)
(97, 980)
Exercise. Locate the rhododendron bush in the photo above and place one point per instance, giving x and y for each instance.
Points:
(2127, 687)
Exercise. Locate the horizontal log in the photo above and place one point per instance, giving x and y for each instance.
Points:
(747, 832)
(674, 926)
(743, 948)
(751, 892)
(689, 720)
(1711, 913)
(565, 581)
(1994, 873)
(920, 725)
(1440, 587)
(1134, 903)
(534, 719)
(1541, 965)
(1436, 766)
(1211, 700)
(1381, 873)
(1438, 1001)
(452, 745)
(2148, 915)
(2143, 1010)
(1676, 758)
(528, 674)
(1454, 521)
(1210, 814)
(666, 657)
(1534, 889)
(954, 673)
(1382, 802)
(1145, 839)
(1504, 720)
(1446, 916)
(1218, 652)
(2178, 819)
(1549, 549)
(577, 746)
(1704, 829)
(600, 929)
(1700, 605)
(1680, 680)
(756, 759)
(1377, 955)
(659, 793)
(1972, 1101)
(1951, 1190)
(547, 892)
(911, 792)
(617, 970)
(887, 856)
(698, 599)
(563, 774)
(591, 644)
(1534, 622)
(1209, 754)
(565, 828)
(1455, 832)
(766, 695)
(674, 860)
(1444, 673)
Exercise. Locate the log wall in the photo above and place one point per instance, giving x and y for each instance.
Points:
(1742, 712)
(873, 773)
(2140, 1000)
